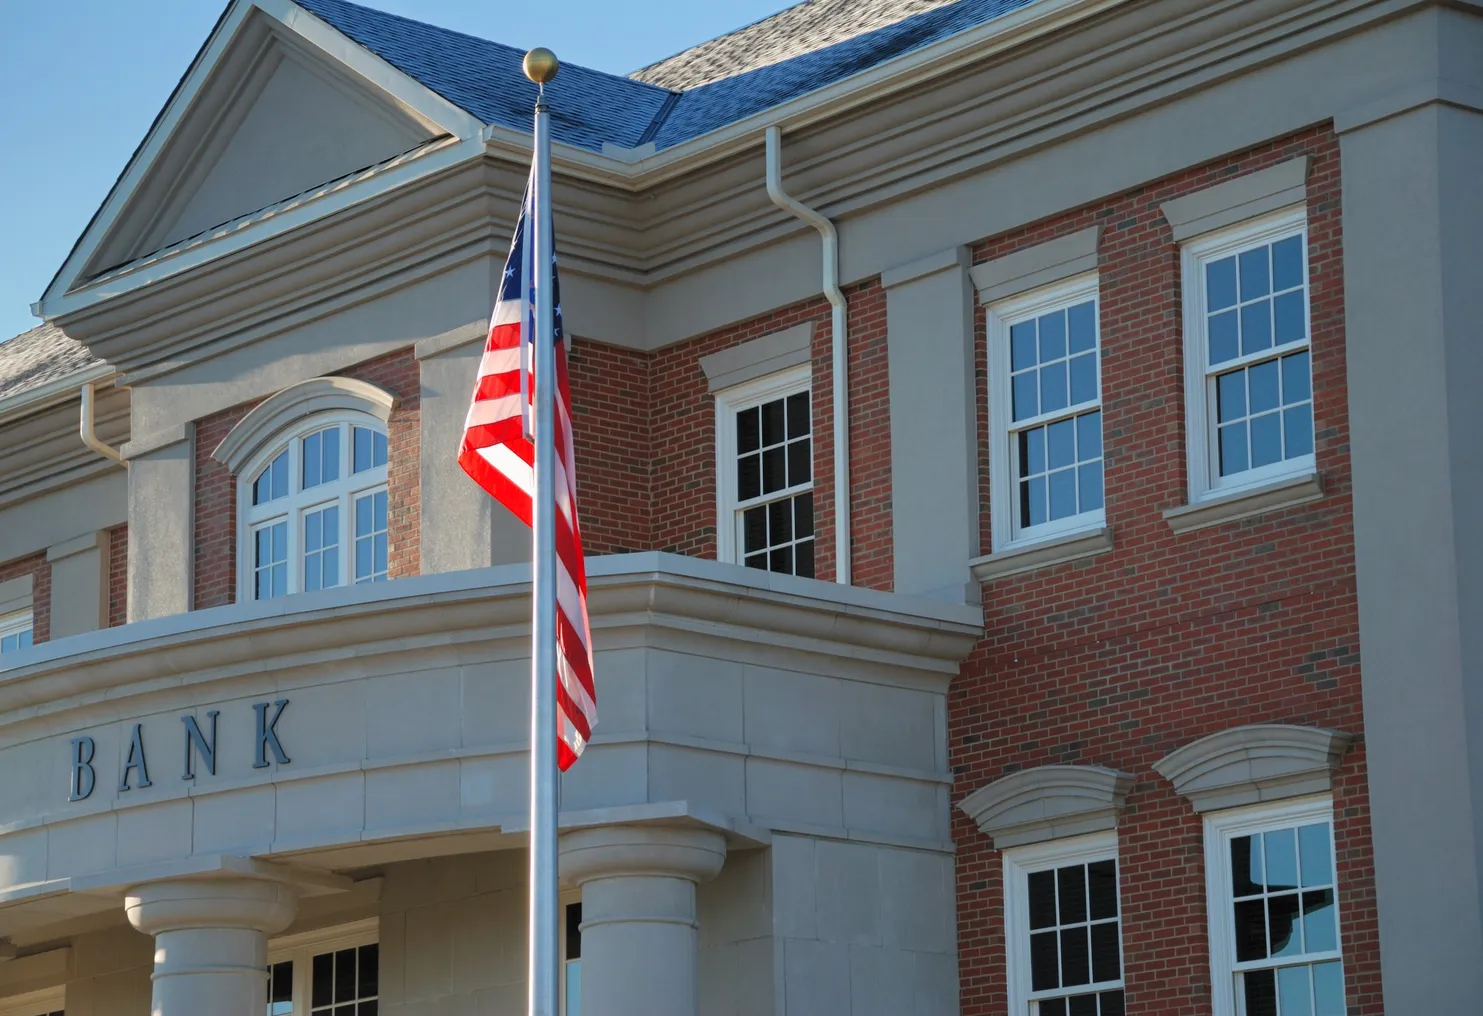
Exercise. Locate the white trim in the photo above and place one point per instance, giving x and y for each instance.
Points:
(18, 623)
(1220, 828)
(35, 1003)
(301, 949)
(1019, 863)
(729, 402)
(1199, 377)
(298, 503)
(300, 401)
(1003, 486)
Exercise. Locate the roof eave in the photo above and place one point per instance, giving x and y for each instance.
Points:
(54, 392)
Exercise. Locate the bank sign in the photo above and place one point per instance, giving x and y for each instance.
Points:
(198, 744)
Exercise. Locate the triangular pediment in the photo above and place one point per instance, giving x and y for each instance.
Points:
(277, 106)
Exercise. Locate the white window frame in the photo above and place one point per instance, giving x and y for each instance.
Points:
(1220, 828)
(14, 624)
(343, 491)
(1003, 456)
(1199, 376)
(1019, 864)
(302, 949)
(729, 402)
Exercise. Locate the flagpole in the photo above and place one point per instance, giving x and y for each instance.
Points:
(541, 66)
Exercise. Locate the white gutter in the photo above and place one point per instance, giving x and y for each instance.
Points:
(840, 342)
(85, 427)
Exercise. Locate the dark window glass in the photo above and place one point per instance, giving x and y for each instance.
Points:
(1082, 1005)
(1042, 899)
(1251, 930)
(1246, 866)
(773, 430)
(780, 521)
(1260, 989)
(782, 560)
(754, 529)
(345, 975)
(800, 466)
(1105, 961)
(573, 931)
(748, 477)
(749, 430)
(1072, 894)
(370, 972)
(1282, 925)
(803, 514)
(323, 990)
(798, 424)
(1076, 963)
(1053, 1007)
(1102, 889)
(774, 470)
(1112, 1003)
(803, 559)
(1045, 969)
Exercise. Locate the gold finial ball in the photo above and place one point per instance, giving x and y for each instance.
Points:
(541, 65)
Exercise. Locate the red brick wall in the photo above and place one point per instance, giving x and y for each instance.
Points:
(37, 566)
(1119, 659)
(118, 575)
(215, 563)
(610, 421)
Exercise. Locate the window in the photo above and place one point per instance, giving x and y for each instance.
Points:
(765, 460)
(571, 978)
(15, 632)
(333, 973)
(1274, 932)
(1045, 407)
(1063, 928)
(1249, 381)
(314, 510)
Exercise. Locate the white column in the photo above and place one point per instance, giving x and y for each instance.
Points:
(211, 942)
(640, 942)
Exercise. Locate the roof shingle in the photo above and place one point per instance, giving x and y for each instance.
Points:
(38, 356)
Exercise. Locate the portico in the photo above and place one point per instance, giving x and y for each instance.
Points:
(771, 767)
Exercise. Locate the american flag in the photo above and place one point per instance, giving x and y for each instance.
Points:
(499, 455)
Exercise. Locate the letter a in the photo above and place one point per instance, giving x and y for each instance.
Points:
(135, 761)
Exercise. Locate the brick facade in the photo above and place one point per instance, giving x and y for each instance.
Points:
(1121, 658)
(37, 566)
(215, 559)
(118, 576)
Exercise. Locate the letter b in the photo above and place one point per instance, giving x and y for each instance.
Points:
(83, 777)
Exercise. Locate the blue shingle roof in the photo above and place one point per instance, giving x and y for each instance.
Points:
(591, 107)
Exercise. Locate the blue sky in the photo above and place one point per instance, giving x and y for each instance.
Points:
(81, 81)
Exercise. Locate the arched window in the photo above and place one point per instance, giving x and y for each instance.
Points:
(313, 510)
(311, 469)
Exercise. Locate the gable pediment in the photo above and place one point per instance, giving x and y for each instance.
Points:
(277, 109)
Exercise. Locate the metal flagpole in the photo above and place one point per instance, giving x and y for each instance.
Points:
(541, 67)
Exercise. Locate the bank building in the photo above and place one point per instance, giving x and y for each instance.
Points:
(1025, 451)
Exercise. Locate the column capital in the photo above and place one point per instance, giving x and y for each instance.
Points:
(250, 904)
(665, 851)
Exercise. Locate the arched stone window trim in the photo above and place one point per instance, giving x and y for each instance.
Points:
(1048, 803)
(284, 410)
(1253, 764)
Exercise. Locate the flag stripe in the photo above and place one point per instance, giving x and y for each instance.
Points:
(498, 456)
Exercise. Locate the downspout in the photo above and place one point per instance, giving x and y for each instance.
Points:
(89, 435)
(840, 363)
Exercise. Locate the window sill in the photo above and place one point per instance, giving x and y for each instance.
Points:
(1240, 504)
(1058, 550)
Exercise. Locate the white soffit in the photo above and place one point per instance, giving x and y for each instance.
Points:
(254, 46)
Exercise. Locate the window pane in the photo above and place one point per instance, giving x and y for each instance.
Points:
(1032, 451)
(1313, 846)
(1032, 502)
(345, 975)
(774, 470)
(1230, 396)
(1111, 1002)
(1082, 324)
(1297, 425)
(772, 423)
(1053, 336)
(1062, 494)
(1294, 992)
(782, 560)
(1051, 1007)
(1061, 443)
(370, 971)
(1251, 930)
(1224, 342)
(748, 477)
(1256, 327)
(1260, 989)
(1089, 436)
(1102, 889)
(1328, 988)
(1287, 263)
(1089, 487)
(1071, 892)
(573, 931)
(1255, 281)
(1026, 401)
(1296, 383)
(1105, 962)
(1282, 926)
(1261, 381)
(310, 459)
(1081, 1005)
(798, 414)
(1044, 961)
(1076, 962)
(1083, 378)
(1042, 899)
(323, 991)
(1220, 284)
(799, 462)
(803, 559)
(1318, 922)
(757, 561)
(748, 430)
(330, 454)
(1246, 866)
(754, 529)
(1022, 352)
(1287, 310)
(803, 514)
(1266, 440)
(379, 557)
(1233, 449)
(281, 983)
(1282, 859)
(780, 521)
(1053, 387)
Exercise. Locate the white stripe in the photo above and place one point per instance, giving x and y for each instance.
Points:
(573, 686)
(507, 312)
(499, 361)
(486, 411)
(569, 599)
(511, 466)
(570, 736)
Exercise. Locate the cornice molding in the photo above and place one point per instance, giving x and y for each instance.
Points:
(298, 402)
(1048, 803)
(1253, 764)
(866, 634)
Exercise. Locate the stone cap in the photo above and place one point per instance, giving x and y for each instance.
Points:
(1048, 803)
(1253, 764)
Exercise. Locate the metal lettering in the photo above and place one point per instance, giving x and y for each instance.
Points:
(83, 777)
(267, 734)
(194, 738)
(135, 761)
